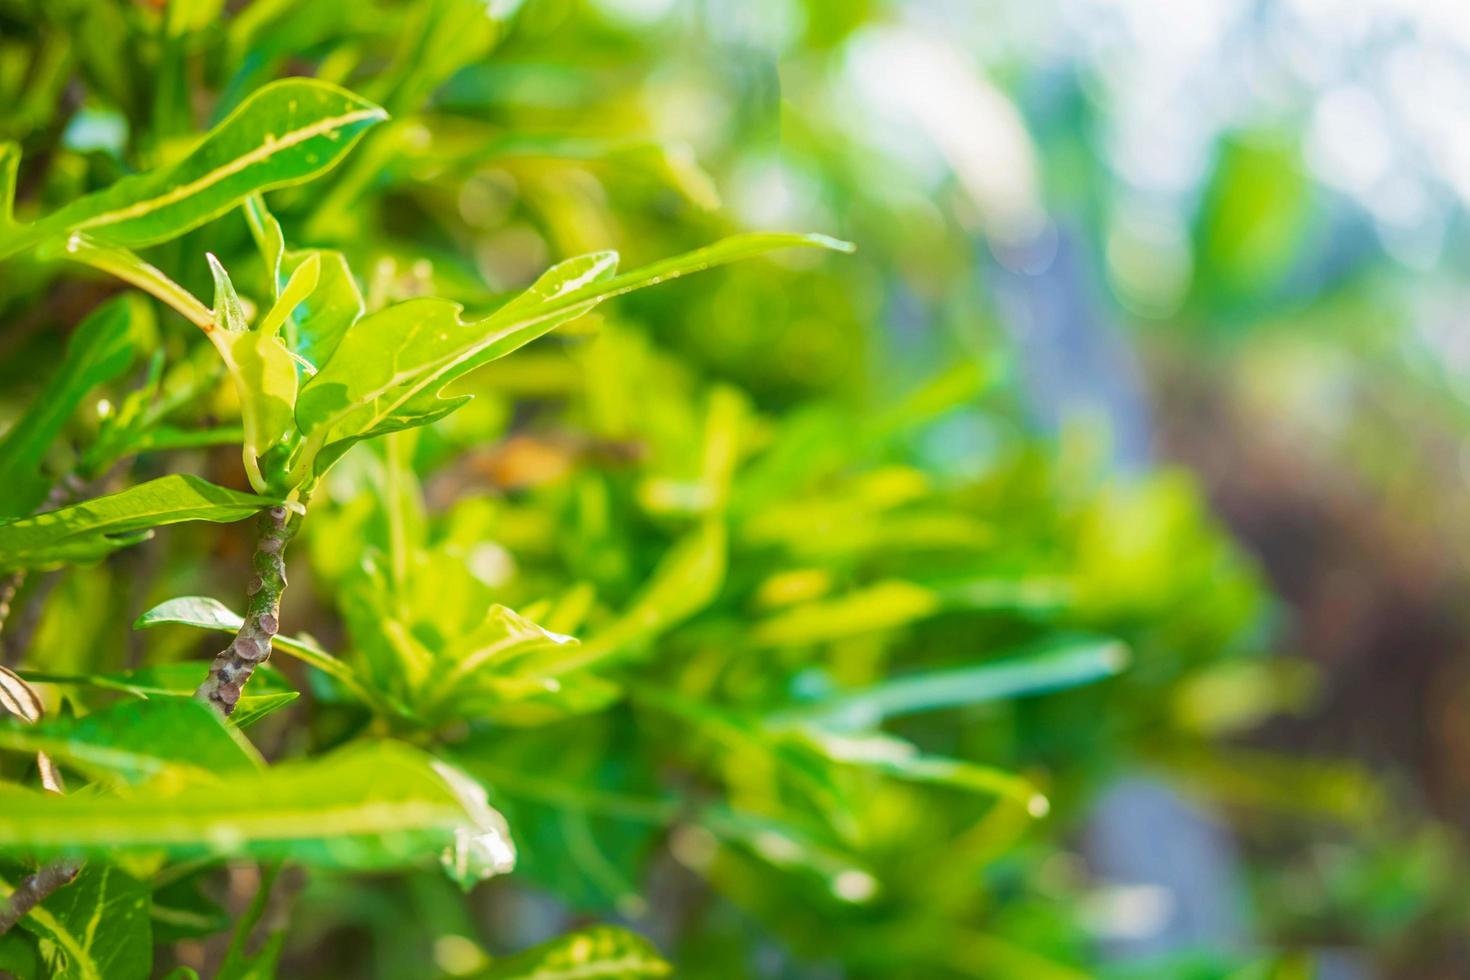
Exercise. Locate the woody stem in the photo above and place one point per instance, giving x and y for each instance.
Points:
(252, 644)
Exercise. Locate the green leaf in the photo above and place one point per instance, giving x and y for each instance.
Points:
(101, 349)
(19, 956)
(505, 651)
(259, 364)
(130, 268)
(184, 16)
(192, 610)
(285, 133)
(1060, 665)
(324, 317)
(237, 964)
(181, 909)
(211, 614)
(687, 579)
(509, 671)
(902, 759)
(596, 953)
(267, 692)
(387, 372)
(882, 606)
(368, 807)
(136, 740)
(317, 324)
(96, 928)
(390, 367)
(9, 169)
(260, 965)
(440, 37)
(90, 530)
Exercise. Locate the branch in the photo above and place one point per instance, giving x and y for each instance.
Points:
(35, 889)
(19, 698)
(252, 644)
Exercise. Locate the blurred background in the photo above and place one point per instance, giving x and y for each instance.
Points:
(1218, 235)
(1176, 259)
(1223, 236)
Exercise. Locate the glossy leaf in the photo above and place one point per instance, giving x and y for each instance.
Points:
(286, 132)
(389, 369)
(596, 953)
(317, 323)
(138, 739)
(259, 364)
(268, 690)
(96, 928)
(99, 350)
(369, 807)
(89, 530)
(120, 262)
(211, 614)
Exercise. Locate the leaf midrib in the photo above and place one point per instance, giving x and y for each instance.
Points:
(261, 153)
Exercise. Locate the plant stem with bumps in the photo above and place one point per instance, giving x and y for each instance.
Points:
(252, 643)
(34, 889)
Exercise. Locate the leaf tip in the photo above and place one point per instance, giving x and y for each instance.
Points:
(1115, 657)
(835, 244)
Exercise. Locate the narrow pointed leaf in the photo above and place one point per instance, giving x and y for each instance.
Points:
(392, 364)
(1063, 665)
(298, 287)
(370, 807)
(211, 614)
(89, 530)
(316, 325)
(259, 364)
(135, 740)
(268, 690)
(285, 133)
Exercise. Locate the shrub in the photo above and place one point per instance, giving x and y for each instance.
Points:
(735, 668)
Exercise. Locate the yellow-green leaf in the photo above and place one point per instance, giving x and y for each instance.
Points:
(91, 529)
(597, 953)
(285, 133)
